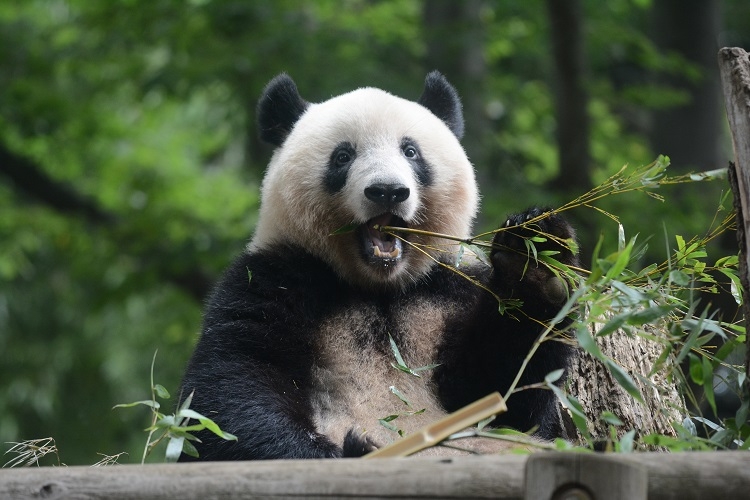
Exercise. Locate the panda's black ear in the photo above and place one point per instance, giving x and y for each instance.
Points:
(279, 108)
(441, 98)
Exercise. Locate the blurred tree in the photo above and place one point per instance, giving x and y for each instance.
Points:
(571, 96)
(689, 131)
(455, 38)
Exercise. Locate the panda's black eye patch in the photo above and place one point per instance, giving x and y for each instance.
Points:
(339, 162)
(422, 169)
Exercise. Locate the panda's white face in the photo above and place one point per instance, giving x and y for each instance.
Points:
(363, 159)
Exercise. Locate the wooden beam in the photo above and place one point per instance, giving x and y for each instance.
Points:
(685, 476)
(734, 66)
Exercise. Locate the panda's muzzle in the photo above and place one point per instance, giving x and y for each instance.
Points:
(379, 247)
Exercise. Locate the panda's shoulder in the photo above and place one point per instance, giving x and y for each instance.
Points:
(278, 267)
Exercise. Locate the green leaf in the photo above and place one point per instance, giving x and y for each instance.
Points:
(576, 411)
(386, 423)
(459, 255)
(596, 270)
(626, 442)
(174, 448)
(480, 253)
(611, 418)
(708, 383)
(399, 395)
(649, 315)
(530, 247)
(205, 423)
(426, 367)
(622, 258)
(164, 422)
(709, 175)
(588, 344)
(505, 305)
(189, 449)
(572, 245)
(146, 402)
(696, 369)
(348, 228)
(397, 353)
(679, 278)
(623, 379)
(554, 376)
(161, 391)
(612, 325)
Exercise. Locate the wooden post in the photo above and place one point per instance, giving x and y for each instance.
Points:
(734, 65)
(582, 476)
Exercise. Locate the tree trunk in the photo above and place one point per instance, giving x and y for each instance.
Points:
(734, 64)
(597, 391)
(689, 134)
(571, 98)
(455, 43)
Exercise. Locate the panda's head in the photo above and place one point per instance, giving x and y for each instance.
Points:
(361, 159)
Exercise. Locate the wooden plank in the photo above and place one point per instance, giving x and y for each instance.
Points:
(734, 65)
(684, 476)
(695, 475)
(470, 477)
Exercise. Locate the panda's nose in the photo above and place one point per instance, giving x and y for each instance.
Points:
(387, 195)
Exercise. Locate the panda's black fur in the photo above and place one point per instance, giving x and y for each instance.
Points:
(295, 356)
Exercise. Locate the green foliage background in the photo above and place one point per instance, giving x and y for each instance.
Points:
(145, 108)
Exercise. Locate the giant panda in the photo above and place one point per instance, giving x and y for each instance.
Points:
(296, 357)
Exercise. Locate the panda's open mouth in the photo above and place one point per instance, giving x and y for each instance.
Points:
(379, 247)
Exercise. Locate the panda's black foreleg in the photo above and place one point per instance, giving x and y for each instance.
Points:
(516, 268)
(517, 274)
(257, 403)
(357, 444)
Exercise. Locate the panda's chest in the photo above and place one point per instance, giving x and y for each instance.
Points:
(354, 381)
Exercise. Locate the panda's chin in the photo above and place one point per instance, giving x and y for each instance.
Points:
(382, 249)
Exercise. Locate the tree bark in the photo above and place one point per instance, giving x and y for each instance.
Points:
(734, 64)
(597, 391)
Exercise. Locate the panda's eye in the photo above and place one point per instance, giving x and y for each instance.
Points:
(343, 155)
(343, 158)
(410, 151)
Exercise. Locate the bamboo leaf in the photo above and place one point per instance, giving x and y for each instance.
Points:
(174, 448)
(708, 383)
(588, 344)
(399, 395)
(696, 369)
(623, 379)
(146, 402)
(348, 228)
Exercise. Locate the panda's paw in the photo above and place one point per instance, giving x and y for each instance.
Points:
(357, 444)
(517, 247)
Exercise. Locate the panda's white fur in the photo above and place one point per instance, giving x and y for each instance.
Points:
(295, 357)
(296, 209)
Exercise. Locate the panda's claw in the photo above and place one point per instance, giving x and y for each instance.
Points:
(510, 250)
